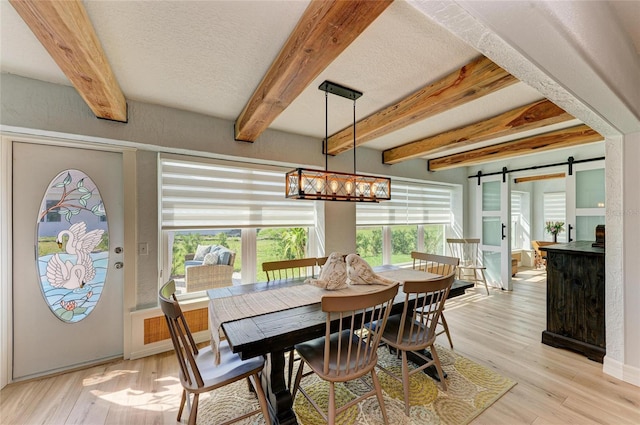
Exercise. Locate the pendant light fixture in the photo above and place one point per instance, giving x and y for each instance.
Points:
(318, 185)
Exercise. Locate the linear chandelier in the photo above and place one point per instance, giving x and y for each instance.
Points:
(319, 185)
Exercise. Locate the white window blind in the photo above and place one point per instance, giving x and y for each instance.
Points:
(555, 206)
(212, 195)
(516, 205)
(411, 203)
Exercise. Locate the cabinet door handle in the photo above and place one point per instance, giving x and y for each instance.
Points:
(504, 226)
(570, 227)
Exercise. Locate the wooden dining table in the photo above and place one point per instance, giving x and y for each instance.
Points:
(274, 333)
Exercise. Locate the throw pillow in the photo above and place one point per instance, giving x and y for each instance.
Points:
(224, 256)
(201, 251)
(210, 259)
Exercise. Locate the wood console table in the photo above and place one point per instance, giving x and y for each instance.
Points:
(575, 299)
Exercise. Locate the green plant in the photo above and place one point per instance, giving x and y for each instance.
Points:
(293, 243)
(554, 227)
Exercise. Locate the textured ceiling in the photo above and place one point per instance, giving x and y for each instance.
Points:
(209, 56)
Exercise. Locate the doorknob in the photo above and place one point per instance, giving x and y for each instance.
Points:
(504, 226)
(119, 265)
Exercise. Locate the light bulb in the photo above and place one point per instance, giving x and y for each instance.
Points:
(334, 186)
(348, 186)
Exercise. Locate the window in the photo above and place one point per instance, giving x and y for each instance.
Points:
(555, 210)
(414, 219)
(184, 243)
(239, 206)
(369, 244)
(404, 239)
(52, 216)
(433, 238)
(520, 219)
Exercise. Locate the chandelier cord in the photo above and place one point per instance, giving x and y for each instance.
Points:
(304, 183)
(354, 136)
(326, 130)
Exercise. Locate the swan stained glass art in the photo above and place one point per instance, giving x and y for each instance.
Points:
(72, 246)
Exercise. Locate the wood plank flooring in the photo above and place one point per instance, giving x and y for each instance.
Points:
(501, 331)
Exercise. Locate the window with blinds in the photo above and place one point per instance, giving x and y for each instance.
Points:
(555, 209)
(411, 203)
(202, 194)
(520, 238)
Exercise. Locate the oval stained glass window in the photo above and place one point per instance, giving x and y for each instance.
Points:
(73, 246)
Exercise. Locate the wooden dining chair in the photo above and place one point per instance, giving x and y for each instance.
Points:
(415, 329)
(350, 352)
(540, 259)
(288, 270)
(437, 264)
(199, 372)
(468, 251)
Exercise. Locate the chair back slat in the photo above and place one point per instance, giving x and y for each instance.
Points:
(289, 269)
(183, 343)
(433, 263)
(467, 250)
(352, 348)
(421, 318)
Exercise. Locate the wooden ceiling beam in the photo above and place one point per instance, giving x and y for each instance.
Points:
(557, 139)
(541, 177)
(325, 29)
(474, 80)
(65, 31)
(528, 117)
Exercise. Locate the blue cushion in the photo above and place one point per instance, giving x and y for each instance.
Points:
(192, 263)
(224, 255)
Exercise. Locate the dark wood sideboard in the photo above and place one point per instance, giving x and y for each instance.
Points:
(575, 298)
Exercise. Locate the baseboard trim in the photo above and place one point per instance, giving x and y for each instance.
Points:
(621, 371)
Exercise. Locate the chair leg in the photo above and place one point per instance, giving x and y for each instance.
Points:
(331, 414)
(257, 384)
(405, 382)
(296, 384)
(446, 329)
(484, 279)
(194, 410)
(291, 360)
(376, 384)
(182, 402)
(436, 361)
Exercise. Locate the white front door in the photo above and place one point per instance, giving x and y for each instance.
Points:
(494, 214)
(67, 296)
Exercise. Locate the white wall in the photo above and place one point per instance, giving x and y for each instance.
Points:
(631, 249)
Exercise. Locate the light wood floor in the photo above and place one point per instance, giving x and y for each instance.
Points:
(501, 331)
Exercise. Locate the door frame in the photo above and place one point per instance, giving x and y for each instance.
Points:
(6, 237)
(505, 220)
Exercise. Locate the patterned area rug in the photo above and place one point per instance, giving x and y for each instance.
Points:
(471, 388)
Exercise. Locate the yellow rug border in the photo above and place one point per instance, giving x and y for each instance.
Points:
(211, 405)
